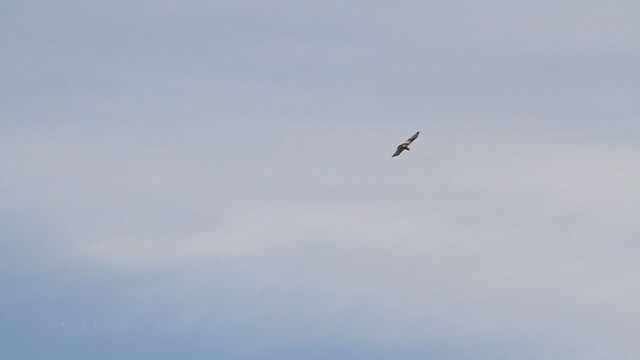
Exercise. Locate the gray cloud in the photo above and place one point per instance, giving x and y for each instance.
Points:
(203, 179)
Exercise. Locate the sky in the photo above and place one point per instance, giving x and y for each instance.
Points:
(213, 179)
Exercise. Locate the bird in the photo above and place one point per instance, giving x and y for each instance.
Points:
(405, 145)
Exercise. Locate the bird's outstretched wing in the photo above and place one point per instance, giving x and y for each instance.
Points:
(410, 140)
(398, 151)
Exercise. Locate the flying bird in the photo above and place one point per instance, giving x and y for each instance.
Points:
(405, 145)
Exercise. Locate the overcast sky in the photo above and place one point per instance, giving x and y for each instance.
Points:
(213, 179)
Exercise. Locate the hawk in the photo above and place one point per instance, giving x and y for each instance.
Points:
(405, 145)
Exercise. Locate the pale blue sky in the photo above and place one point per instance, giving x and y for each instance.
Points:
(213, 179)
